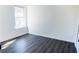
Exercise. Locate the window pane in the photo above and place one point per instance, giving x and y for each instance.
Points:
(19, 12)
(20, 23)
(19, 18)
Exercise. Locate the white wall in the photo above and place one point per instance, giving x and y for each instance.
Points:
(7, 30)
(77, 27)
(53, 21)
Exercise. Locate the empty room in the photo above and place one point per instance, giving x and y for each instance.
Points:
(39, 28)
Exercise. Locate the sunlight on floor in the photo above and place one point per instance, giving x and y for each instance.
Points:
(7, 44)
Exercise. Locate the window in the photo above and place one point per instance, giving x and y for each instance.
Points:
(20, 21)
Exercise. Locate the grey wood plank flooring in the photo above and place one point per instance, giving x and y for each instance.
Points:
(38, 44)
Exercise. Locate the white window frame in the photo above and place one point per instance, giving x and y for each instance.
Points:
(20, 21)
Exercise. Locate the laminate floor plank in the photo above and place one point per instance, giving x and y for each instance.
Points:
(38, 44)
